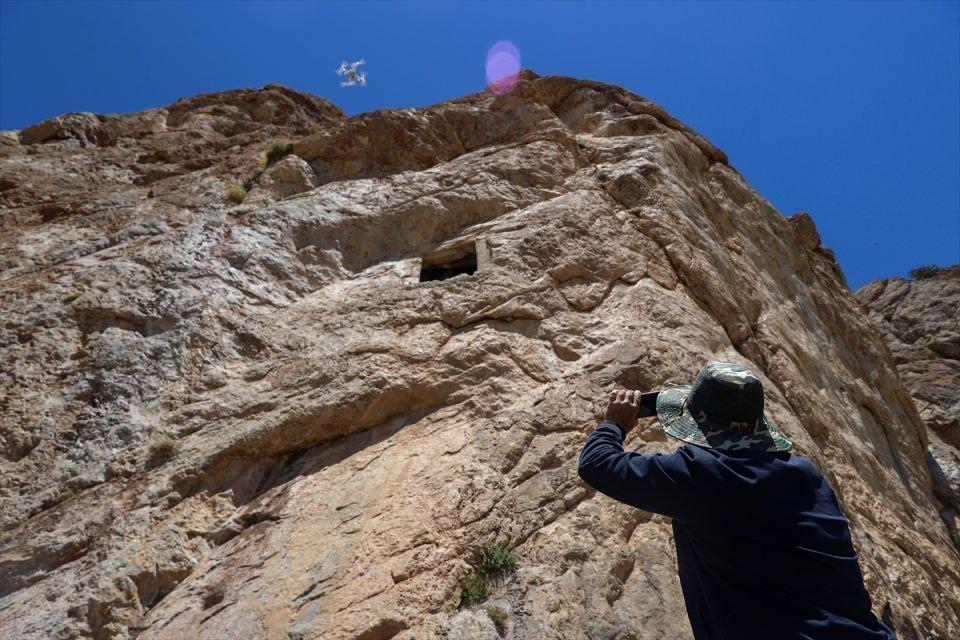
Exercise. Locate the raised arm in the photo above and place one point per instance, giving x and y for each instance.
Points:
(661, 483)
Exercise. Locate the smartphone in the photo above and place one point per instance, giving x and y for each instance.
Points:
(648, 404)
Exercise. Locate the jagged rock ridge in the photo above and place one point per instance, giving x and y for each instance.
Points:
(259, 421)
(921, 322)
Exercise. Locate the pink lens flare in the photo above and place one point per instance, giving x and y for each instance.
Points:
(503, 67)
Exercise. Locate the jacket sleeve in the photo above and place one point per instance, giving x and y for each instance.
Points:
(669, 484)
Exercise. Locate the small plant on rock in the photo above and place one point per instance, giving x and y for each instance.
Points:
(499, 618)
(493, 561)
(927, 271)
(496, 559)
(474, 589)
(163, 447)
(236, 193)
(274, 152)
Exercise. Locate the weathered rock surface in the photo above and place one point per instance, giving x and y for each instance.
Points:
(227, 421)
(920, 320)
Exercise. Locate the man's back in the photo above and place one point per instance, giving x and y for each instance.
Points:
(763, 548)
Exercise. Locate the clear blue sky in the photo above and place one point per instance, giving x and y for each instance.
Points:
(849, 111)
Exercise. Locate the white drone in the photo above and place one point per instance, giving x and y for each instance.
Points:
(354, 77)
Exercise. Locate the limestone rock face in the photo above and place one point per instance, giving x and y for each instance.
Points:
(920, 320)
(289, 176)
(300, 416)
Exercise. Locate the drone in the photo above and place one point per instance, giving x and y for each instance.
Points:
(353, 76)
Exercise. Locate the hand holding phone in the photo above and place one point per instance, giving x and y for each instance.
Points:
(648, 404)
(626, 406)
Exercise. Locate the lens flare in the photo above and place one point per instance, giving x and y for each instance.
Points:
(503, 67)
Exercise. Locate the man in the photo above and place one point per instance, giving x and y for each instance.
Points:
(763, 548)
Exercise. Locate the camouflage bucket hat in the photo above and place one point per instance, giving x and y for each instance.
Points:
(722, 410)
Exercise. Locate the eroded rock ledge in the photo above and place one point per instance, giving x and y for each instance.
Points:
(281, 419)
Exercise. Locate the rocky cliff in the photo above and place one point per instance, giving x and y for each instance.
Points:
(921, 322)
(300, 416)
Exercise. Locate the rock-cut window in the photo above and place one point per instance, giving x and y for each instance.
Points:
(448, 264)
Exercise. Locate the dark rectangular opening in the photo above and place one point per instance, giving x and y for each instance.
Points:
(447, 266)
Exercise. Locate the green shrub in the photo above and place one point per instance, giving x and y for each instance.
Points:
(581, 144)
(499, 618)
(927, 271)
(163, 447)
(495, 559)
(236, 193)
(274, 152)
(474, 589)
(492, 562)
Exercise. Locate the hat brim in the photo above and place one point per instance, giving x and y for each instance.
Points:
(677, 422)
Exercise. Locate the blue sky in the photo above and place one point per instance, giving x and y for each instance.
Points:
(850, 111)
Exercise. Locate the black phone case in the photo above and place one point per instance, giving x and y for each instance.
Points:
(648, 404)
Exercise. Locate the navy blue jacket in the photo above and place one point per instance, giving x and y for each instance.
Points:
(763, 549)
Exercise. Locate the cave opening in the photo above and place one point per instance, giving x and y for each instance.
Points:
(441, 267)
